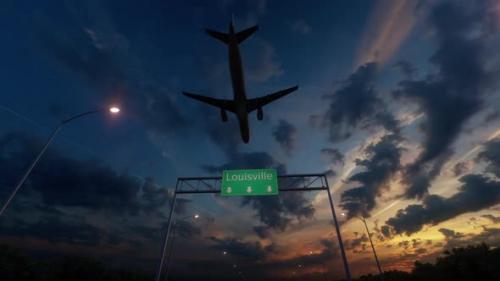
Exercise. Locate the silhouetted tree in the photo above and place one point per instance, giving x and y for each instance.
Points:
(477, 262)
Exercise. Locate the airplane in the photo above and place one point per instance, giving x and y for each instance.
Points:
(240, 105)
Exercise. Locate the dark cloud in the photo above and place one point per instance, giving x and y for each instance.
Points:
(328, 252)
(239, 249)
(418, 177)
(450, 234)
(332, 155)
(452, 95)
(358, 244)
(262, 231)
(460, 168)
(383, 160)
(263, 64)
(386, 231)
(453, 239)
(408, 69)
(276, 212)
(154, 194)
(186, 229)
(67, 182)
(477, 192)
(250, 160)
(285, 134)
(492, 117)
(102, 59)
(56, 229)
(491, 155)
(355, 102)
(492, 218)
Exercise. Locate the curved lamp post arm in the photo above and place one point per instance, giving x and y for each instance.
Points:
(35, 161)
(65, 121)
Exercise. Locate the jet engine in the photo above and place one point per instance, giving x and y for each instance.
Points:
(260, 114)
(223, 115)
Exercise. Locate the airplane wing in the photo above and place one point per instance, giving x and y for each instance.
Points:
(253, 104)
(223, 104)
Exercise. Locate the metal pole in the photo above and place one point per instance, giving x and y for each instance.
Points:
(337, 228)
(170, 251)
(374, 252)
(164, 247)
(33, 164)
(30, 168)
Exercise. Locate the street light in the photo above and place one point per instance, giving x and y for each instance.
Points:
(371, 243)
(195, 216)
(112, 110)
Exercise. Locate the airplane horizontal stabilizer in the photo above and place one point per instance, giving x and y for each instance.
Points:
(224, 37)
(228, 105)
(244, 34)
(253, 104)
(240, 36)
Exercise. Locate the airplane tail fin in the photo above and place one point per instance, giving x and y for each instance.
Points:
(240, 36)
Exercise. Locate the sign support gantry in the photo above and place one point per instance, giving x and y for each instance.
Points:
(286, 183)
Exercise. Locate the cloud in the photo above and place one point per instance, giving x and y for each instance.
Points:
(285, 134)
(332, 155)
(67, 182)
(262, 63)
(301, 26)
(186, 229)
(491, 155)
(357, 244)
(492, 218)
(355, 102)
(489, 236)
(100, 56)
(278, 212)
(453, 94)
(329, 250)
(408, 69)
(262, 231)
(450, 234)
(239, 249)
(460, 168)
(388, 26)
(56, 229)
(247, 160)
(477, 192)
(275, 212)
(383, 160)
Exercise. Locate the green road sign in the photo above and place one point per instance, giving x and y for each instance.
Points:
(249, 182)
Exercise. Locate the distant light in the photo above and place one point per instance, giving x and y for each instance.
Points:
(343, 214)
(224, 253)
(196, 216)
(300, 265)
(310, 252)
(114, 109)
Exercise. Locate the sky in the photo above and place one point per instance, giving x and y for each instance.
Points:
(398, 104)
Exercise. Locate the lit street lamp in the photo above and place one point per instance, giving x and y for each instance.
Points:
(112, 110)
(371, 243)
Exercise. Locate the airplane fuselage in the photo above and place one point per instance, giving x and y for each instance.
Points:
(238, 83)
(240, 105)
